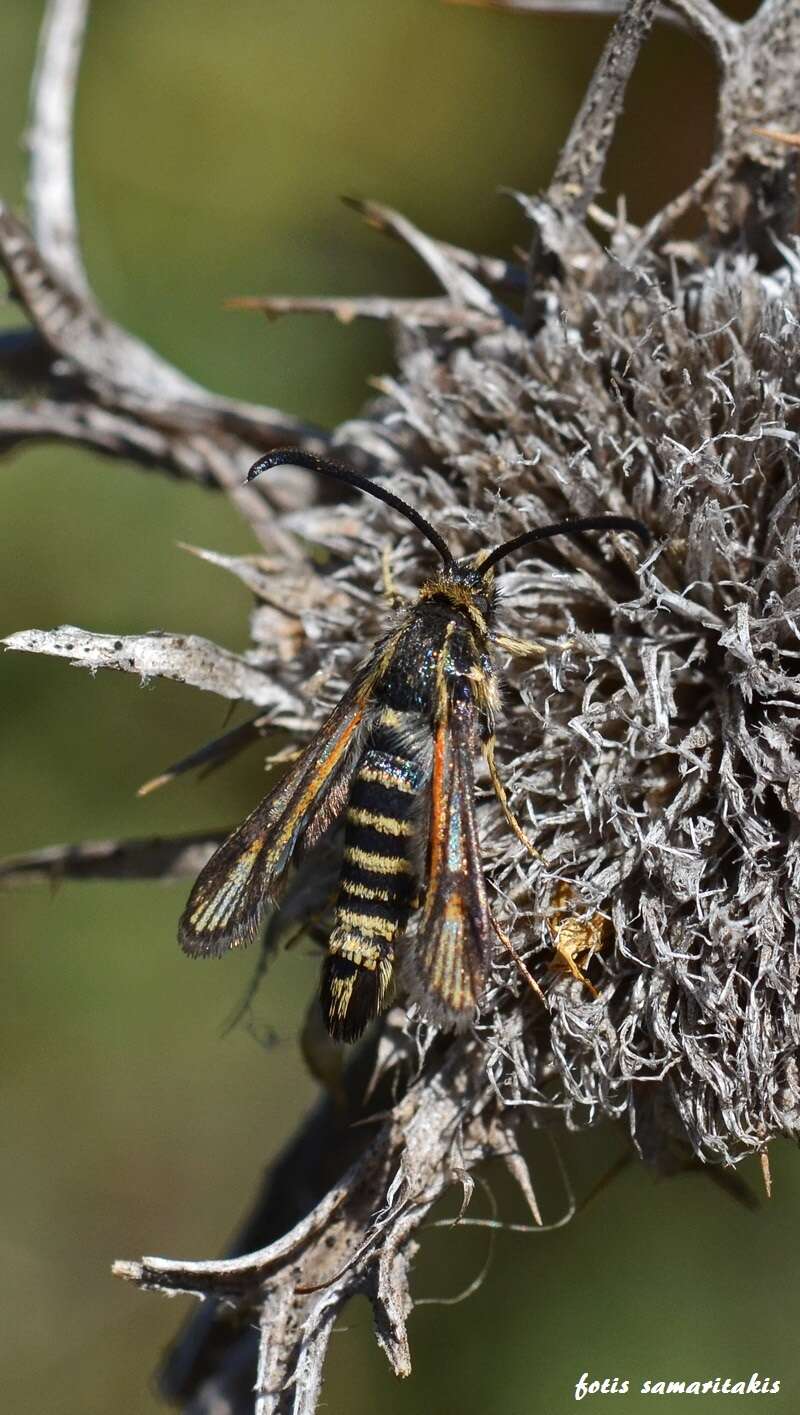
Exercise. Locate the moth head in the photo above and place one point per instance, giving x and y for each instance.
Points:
(463, 585)
(478, 585)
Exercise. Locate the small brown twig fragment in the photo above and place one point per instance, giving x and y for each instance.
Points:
(212, 754)
(766, 1172)
(461, 286)
(776, 135)
(421, 313)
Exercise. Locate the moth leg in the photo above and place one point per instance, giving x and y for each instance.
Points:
(527, 648)
(509, 947)
(390, 589)
(500, 792)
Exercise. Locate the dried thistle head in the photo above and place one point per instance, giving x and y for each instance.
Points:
(654, 760)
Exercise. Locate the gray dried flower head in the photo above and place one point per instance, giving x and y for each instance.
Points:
(653, 754)
(654, 761)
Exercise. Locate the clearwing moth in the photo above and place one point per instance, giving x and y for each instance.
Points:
(395, 757)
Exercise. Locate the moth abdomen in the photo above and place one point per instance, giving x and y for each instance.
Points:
(357, 980)
(376, 891)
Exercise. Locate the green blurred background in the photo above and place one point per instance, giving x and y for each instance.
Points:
(213, 143)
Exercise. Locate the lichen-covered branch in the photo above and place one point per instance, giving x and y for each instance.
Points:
(184, 658)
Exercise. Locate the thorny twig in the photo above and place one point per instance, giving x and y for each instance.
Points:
(559, 220)
(428, 314)
(179, 857)
(583, 157)
(655, 758)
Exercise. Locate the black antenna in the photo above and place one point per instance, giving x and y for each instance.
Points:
(294, 457)
(567, 528)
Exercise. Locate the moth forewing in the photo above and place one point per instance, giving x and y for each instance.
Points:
(451, 951)
(232, 891)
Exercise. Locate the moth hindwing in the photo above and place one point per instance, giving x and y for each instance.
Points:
(395, 757)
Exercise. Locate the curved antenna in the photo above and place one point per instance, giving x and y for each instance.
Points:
(294, 457)
(567, 528)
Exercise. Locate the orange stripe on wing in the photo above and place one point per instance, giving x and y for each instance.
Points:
(316, 782)
(438, 834)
